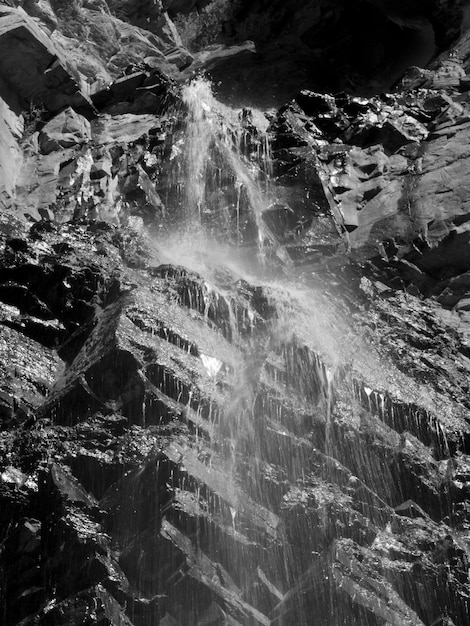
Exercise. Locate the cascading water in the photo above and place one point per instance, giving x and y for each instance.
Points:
(212, 411)
(197, 146)
(222, 167)
(269, 509)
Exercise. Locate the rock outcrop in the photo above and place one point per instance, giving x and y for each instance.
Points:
(32, 71)
(364, 47)
(234, 346)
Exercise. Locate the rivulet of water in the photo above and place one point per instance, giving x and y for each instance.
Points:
(224, 159)
(199, 139)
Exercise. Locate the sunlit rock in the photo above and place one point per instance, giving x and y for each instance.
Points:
(235, 342)
(11, 128)
(31, 69)
(63, 131)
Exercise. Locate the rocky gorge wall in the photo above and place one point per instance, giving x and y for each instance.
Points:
(234, 355)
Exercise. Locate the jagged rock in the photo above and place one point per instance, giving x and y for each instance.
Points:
(31, 70)
(410, 509)
(63, 131)
(112, 44)
(28, 369)
(139, 91)
(80, 180)
(94, 603)
(42, 10)
(24, 587)
(11, 127)
(191, 488)
(152, 16)
(335, 47)
(240, 424)
(373, 594)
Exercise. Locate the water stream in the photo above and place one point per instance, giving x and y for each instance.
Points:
(221, 162)
(283, 365)
(221, 169)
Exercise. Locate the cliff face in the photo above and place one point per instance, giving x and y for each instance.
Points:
(234, 346)
(335, 45)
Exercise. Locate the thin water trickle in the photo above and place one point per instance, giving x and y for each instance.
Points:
(215, 154)
(196, 150)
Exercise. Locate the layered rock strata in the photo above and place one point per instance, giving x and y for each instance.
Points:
(186, 437)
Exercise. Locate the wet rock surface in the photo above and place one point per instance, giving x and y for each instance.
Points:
(135, 489)
(234, 356)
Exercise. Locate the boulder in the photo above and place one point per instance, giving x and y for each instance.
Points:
(140, 90)
(19, 369)
(30, 67)
(64, 131)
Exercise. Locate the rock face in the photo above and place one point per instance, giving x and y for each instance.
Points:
(234, 347)
(31, 70)
(364, 47)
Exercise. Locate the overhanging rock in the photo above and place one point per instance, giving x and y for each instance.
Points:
(31, 71)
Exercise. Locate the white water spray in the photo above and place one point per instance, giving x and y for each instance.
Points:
(225, 177)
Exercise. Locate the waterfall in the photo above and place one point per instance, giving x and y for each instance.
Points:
(290, 356)
(251, 458)
(288, 490)
(198, 145)
(234, 343)
(222, 165)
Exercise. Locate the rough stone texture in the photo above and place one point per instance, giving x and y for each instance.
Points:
(11, 127)
(389, 167)
(138, 448)
(334, 45)
(30, 69)
(188, 436)
(63, 131)
(109, 44)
